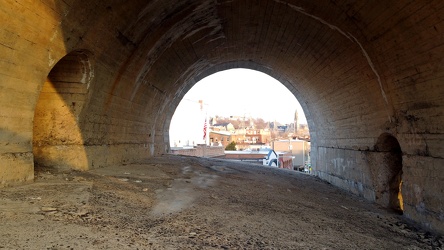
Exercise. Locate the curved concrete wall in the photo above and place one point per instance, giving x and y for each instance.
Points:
(361, 69)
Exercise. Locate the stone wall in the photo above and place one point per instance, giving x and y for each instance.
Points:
(370, 174)
(348, 169)
(359, 69)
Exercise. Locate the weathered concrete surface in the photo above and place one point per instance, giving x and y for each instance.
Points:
(360, 69)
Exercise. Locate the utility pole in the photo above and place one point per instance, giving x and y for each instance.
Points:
(205, 129)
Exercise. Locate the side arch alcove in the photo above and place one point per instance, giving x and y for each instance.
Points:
(57, 138)
(387, 172)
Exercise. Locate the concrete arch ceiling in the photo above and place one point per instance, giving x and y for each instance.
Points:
(309, 50)
(360, 69)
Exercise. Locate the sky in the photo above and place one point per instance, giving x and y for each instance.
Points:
(234, 92)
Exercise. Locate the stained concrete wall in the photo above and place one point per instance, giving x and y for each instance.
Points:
(360, 69)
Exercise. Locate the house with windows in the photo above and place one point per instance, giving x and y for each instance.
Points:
(250, 138)
(220, 138)
(228, 126)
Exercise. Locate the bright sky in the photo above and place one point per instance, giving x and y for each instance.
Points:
(235, 92)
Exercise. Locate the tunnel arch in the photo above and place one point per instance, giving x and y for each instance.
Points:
(298, 69)
(251, 65)
(363, 67)
(57, 137)
(240, 74)
(387, 173)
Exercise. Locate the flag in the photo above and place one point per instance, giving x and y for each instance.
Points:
(205, 129)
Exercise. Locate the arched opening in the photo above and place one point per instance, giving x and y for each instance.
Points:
(57, 138)
(242, 110)
(388, 181)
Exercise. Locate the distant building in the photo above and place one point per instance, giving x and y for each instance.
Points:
(220, 138)
(299, 149)
(282, 128)
(248, 138)
(223, 127)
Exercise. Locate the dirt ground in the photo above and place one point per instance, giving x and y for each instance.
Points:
(191, 203)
